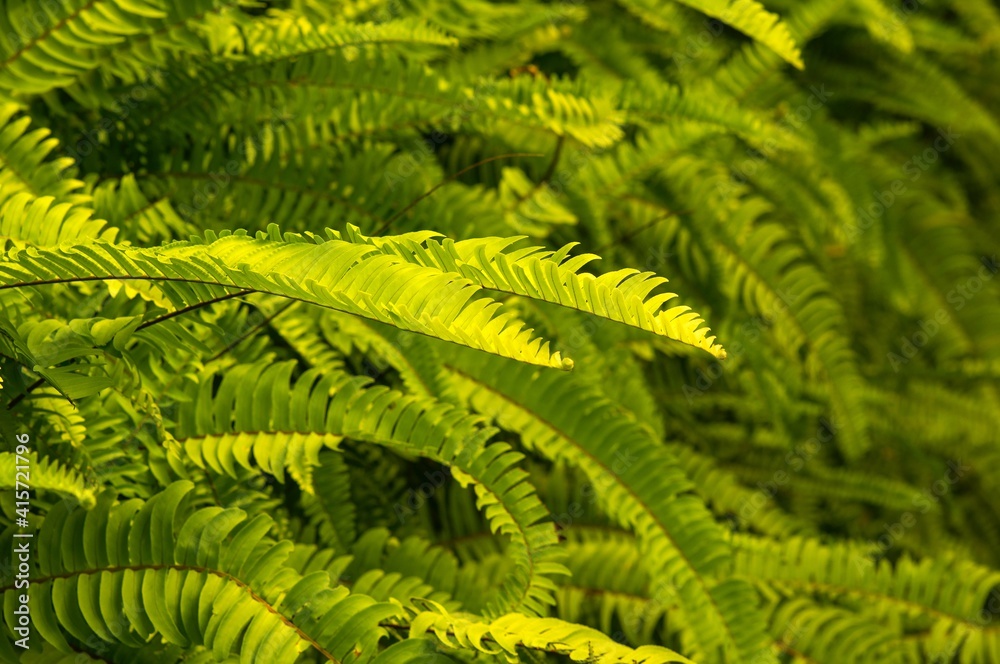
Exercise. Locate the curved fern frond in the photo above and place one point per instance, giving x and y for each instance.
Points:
(347, 277)
(25, 165)
(352, 276)
(52, 52)
(287, 36)
(159, 561)
(748, 16)
(249, 416)
(506, 634)
(682, 545)
(623, 296)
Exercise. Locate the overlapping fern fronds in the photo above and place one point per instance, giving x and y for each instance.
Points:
(341, 331)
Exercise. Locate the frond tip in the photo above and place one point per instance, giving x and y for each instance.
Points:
(492, 263)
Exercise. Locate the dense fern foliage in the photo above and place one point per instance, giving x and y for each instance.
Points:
(307, 354)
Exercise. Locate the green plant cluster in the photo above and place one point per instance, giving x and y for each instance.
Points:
(340, 331)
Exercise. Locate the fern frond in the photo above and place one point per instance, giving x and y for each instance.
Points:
(43, 474)
(682, 545)
(25, 163)
(52, 53)
(552, 276)
(163, 560)
(339, 275)
(506, 634)
(40, 222)
(948, 604)
(748, 16)
(325, 409)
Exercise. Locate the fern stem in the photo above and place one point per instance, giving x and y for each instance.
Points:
(547, 175)
(192, 307)
(20, 397)
(251, 331)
